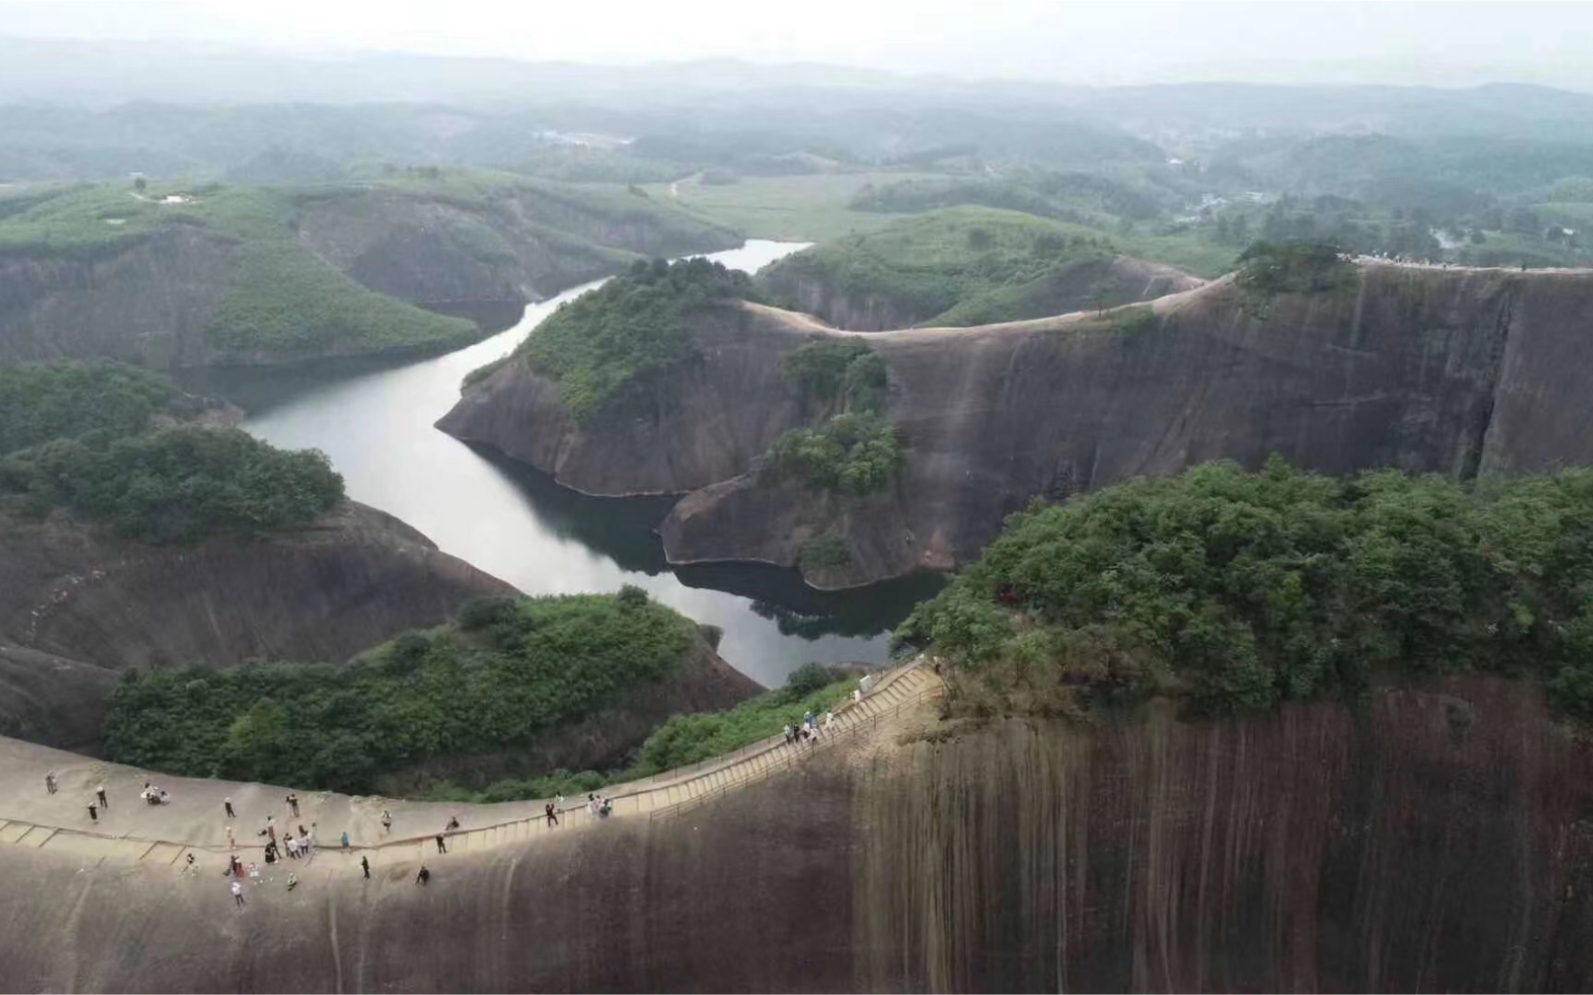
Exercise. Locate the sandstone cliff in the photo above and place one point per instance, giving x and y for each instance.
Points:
(524, 245)
(1456, 372)
(77, 607)
(159, 298)
(1424, 839)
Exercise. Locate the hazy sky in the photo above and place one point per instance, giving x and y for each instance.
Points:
(1122, 42)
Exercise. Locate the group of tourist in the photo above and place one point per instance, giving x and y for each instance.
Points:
(808, 731)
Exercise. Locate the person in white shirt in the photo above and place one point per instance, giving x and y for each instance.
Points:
(237, 893)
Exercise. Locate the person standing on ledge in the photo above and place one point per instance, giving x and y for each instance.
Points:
(553, 820)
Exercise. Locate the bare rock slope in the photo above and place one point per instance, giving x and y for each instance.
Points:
(1458, 372)
(77, 607)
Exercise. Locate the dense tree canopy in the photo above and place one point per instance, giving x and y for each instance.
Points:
(635, 324)
(41, 402)
(510, 669)
(1241, 589)
(175, 484)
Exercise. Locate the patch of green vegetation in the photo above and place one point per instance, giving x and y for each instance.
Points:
(687, 739)
(809, 208)
(173, 485)
(635, 325)
(1268, 269)
(1239, 590)
(926, 265)
(1136, 320)
(844, 371)
(1083, 198)
(854, 453)
(66, 400)
(509, 670)
(825, 551)
(285, 301)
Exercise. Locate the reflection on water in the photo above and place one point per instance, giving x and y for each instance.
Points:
(375, 420)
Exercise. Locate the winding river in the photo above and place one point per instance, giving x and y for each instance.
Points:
(512, 521)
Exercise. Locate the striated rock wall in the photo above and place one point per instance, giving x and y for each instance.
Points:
(147, 303)
(1457, 372)
(703, 424)
(1433, 839)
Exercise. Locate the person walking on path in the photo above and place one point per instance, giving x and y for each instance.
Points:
(99, 793)
(94, 812)
(553, 820)
(424, 875)
(345, 839)
(232, 841)
(226, 803)
(387, 821)
(293, 803)
(49, 782)
(237, 893)
(441, 846)
(365, 865)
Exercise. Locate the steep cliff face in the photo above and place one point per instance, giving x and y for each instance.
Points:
(701, 424)
(525, 245)
(76, 606)
(1427, 839)
(147, 303)
(182, 294)
(1455, 372)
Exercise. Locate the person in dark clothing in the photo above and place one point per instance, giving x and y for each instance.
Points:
(441, 846)
(227, 804)
(94, 816)
(553, 819)
(100, 793)
(424, 875)
(453, 823)
(365, 865)
(293, 802)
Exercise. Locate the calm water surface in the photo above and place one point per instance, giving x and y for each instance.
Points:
(515, 523)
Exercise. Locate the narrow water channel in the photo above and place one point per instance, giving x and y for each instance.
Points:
(515, 523)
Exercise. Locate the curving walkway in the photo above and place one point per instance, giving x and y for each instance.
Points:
(193, 823)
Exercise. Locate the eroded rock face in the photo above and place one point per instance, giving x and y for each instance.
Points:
(146, 304)
(77, 607)
(1457, 372)
(702, 424)
(1422, 839)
